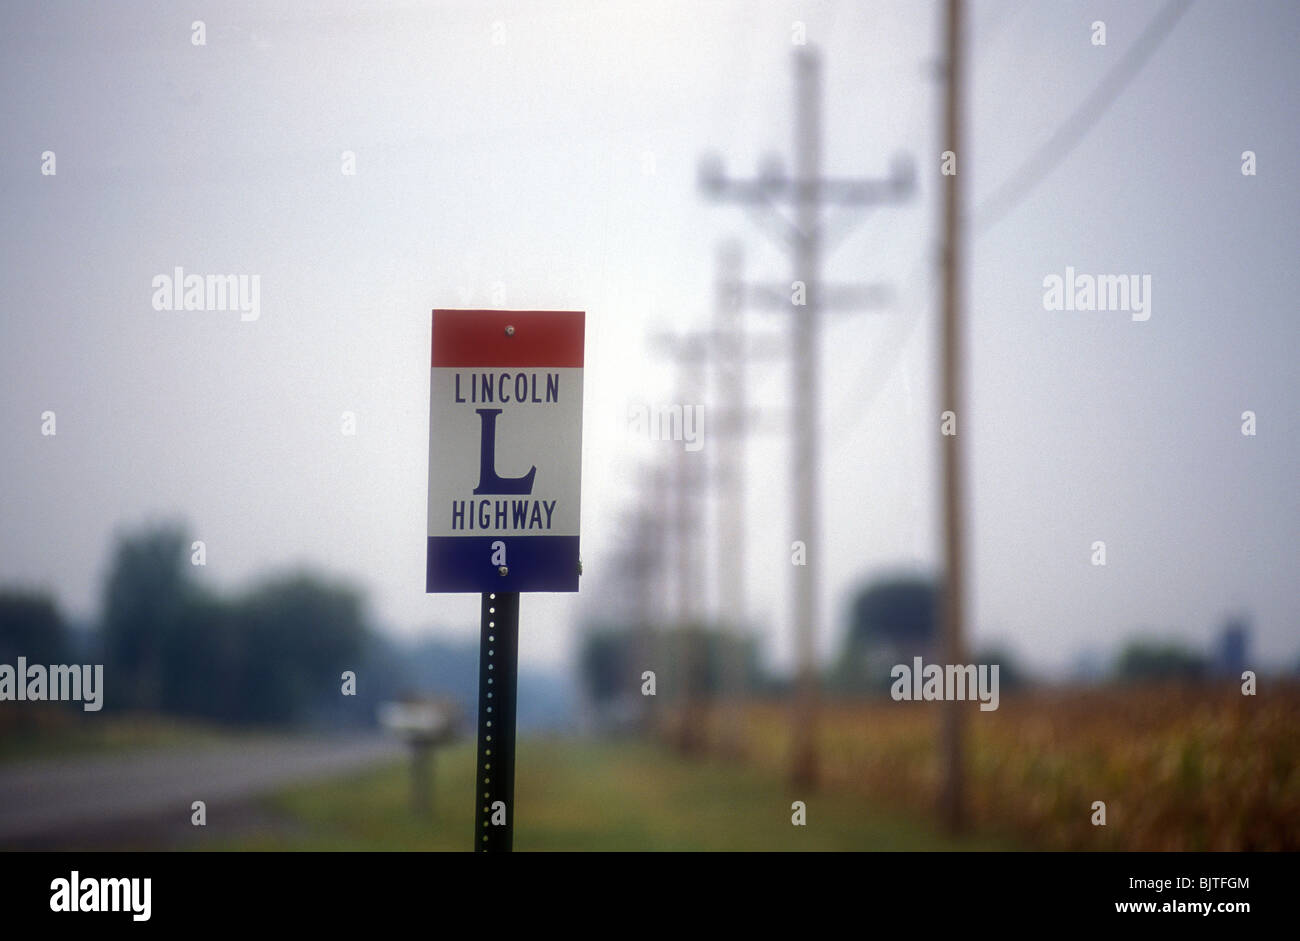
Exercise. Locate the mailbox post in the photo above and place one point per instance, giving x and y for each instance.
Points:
(425, 725)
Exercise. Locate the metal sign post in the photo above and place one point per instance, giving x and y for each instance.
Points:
(505, 463)
(498, 672)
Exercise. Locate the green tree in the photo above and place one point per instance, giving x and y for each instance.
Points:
(147, 596)
(604, 664)
(890, 621)
(900, 611)
(32, 627)
(1157, 660)
(299, 633)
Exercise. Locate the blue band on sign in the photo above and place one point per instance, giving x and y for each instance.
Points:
(533, 563)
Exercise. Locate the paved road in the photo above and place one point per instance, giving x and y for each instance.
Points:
(59, 798)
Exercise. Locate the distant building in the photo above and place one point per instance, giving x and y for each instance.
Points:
(1232, 649)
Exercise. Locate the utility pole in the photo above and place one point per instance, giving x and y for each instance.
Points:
(729, 350)
(952, 807)
(642, 570)
(809, 192)
(689, 481)
(731, 361)
(732, 422)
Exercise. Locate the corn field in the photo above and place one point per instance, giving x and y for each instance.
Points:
(1178, 767)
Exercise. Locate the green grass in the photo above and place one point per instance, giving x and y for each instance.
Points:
(585, 796)
(70, 734)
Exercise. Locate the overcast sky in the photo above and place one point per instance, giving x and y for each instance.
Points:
(549, 150)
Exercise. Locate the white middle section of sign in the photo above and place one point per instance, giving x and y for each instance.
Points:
(547, 435)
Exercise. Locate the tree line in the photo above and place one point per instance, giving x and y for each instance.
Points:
(274, 653)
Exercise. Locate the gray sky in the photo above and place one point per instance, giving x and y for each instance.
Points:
(550, 148)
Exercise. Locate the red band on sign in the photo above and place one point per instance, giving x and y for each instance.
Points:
(508, 338)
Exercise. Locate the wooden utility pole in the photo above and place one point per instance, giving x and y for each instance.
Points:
(728, 349)
(806, 395)
(690, 482)
(725, 425)
(729, 466)
(808, 191)
(952, 807)
(642, 569)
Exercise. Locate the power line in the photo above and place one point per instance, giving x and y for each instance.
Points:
(1072, 131)
(1067, 136)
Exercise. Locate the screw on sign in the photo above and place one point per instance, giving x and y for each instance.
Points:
(505, 482)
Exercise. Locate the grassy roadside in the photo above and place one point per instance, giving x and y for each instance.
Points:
(62, 733)
(573, 795)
